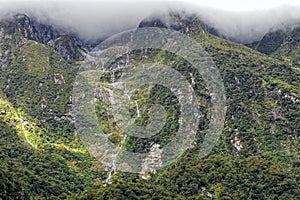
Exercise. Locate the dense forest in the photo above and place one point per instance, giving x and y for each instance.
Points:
(42, 155)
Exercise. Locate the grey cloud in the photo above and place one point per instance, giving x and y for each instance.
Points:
(99, 19)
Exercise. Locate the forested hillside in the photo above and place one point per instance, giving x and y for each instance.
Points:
(256, 157)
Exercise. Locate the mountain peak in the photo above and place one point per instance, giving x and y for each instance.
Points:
(179, 21)
(21, 25)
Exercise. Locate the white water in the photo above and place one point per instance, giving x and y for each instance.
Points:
(137, 109)
(113, 168)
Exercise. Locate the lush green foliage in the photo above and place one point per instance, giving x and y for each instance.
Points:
(42, 157)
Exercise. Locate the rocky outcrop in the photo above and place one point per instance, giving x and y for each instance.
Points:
(179, 22)
(270, 42)
(68, 46)
(281, 43)
(152, 162)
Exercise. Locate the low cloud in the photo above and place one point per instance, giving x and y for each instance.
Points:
(99, 19)
(249, 26)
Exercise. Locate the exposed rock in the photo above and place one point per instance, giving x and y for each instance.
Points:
(152, 163)
(237, 144)
(178, 22)
(59, 79)
(293, 96)
(271, 42)
(276, 114)
(69, 47)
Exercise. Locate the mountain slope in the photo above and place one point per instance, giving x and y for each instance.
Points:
(257, 155)
(69, 47)
(281, 44)
(40, 153)
(260, 140)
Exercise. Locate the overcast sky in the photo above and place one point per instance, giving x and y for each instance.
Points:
(244, 20)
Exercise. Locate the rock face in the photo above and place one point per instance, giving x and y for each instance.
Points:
(152, 163)
(178, 22)
(69, 47)
(270, 42)
(34, 30)
(281, 43)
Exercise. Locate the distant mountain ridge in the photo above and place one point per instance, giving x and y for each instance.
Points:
(281, 43)
(177, 21)
(69, 46)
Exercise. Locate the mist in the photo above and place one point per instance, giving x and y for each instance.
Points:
(99, 19)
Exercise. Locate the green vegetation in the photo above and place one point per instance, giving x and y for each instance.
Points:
(43, 158)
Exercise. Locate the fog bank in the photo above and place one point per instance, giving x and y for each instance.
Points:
(99, 19)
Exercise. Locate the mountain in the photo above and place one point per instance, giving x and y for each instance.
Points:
(38, 143)
(256, 156)
(177, 21)
(281, 43)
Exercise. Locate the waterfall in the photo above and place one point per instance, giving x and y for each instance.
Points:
(137, 109)
(114, 157)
